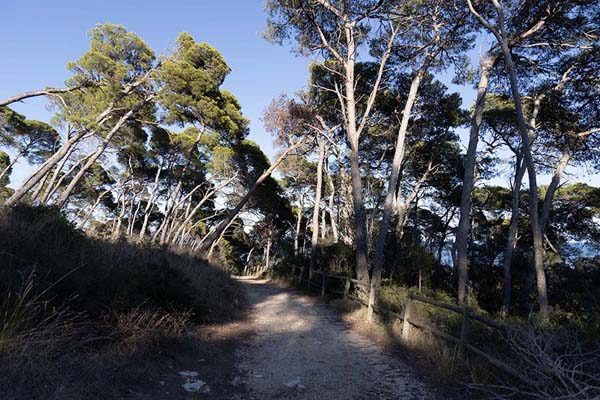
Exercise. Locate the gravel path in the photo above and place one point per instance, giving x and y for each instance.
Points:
(301, 350)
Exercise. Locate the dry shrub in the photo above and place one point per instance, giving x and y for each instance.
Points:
(144, 329)
(551, 364)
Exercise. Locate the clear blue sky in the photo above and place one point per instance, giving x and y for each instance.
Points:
(41, 36)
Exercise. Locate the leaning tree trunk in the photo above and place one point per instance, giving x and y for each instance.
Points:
(391, 191)
(462, 230)
(208, 241)
(315, 216)
(64, 196)
(551, 191)
(38, 93)
(47, 166)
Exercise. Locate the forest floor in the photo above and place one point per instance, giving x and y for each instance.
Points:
(290, 346)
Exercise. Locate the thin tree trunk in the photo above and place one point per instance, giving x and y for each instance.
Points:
(64, 196)
(511, 240)
(52, 185)
(9, 167)
(526, 135)
(150, 205)
(211, 237)
(116, 231)
(91, 212)
(37, 93)
(462, 230)
(391, 190)
(334, 228)
(45, 168)
(315, 217)
(551, 191)
(298, 224)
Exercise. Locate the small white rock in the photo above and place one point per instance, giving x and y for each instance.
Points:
(188, 374)
(196, 386)
(295, 383)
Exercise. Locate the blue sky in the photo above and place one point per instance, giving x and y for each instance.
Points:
(40, 37)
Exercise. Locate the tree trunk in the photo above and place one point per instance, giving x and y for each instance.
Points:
(37, 93)
(298, 224)
(462, 230)
(511, 240)
(360, 217)
(334, 228)
(391, 190)
(551, 191)
(315, 217)
(150, 205)
(64, 196)
(45, 168)
(91, 212)
(538, 238)
(211, 237)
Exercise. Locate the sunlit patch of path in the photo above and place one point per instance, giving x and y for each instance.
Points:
(302, 351)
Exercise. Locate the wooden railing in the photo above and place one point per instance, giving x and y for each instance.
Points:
(409, 321)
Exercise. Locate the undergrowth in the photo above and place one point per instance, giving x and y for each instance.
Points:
(74, 308)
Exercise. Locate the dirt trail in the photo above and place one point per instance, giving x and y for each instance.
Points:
(301, 350)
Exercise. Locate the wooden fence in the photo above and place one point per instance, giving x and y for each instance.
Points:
(409, 321)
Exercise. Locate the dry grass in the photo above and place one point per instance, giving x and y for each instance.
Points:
(83, 318)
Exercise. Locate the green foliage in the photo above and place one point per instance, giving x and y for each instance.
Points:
(190, 90)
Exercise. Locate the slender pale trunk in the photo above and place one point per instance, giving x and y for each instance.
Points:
(47, 166)
(511, 240)
(116, 231)
(64, 196)
(462, 230)
(52, 185)
(391, 191)
(248, 261)
(551, 191)
(211, 237)
(216, 242)
(315, 217)
(323, 231)
(10, 165)
(268, 254)
(150, 205)
(43, 170)
(538, 238)
(334, 227)
(298, 224)
(91, 212)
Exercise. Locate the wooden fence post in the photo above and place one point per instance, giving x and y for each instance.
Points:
(323, 283)
(347, 289)
(405, 323)
(464, 329)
